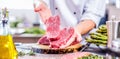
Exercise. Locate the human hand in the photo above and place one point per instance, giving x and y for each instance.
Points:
(78, 33)
(43, 10)
(75, 38)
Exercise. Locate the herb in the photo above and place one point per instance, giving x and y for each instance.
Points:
(91, 57)
(31, 53)
(21, 53)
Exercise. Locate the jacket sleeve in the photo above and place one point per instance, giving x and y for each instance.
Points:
(94, 10)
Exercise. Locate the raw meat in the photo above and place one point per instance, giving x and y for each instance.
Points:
(75, 55)
(72, 39)
(64, 37)
(55, 37)
(53, 27)
(44, 40)
(59, 38)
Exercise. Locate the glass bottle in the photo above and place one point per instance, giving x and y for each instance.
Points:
(7, 47)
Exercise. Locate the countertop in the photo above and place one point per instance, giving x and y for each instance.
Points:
(42, 56)
(104, 52)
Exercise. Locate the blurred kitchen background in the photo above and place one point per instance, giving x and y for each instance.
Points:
(20, 11)
(24, 22)
(21, 14)
(22, 18)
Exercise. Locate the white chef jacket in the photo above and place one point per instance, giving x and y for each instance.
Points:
(73, 11)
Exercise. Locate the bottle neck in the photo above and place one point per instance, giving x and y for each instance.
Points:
(4, 28)
(4, 24)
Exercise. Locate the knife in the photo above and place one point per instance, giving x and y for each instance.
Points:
(85, 46)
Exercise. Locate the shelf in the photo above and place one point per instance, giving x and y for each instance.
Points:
(26, 38)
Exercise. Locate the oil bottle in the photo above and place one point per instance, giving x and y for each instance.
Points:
(7, 47)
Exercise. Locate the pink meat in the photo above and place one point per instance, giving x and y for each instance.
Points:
(44, 40)
(55, 37)
(53, 27)
(59, 38)
(75, 55)
(64, 37)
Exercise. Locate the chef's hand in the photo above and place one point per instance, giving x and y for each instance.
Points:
(76, 37)
(78, 33)
(44, 12)
(82, 28)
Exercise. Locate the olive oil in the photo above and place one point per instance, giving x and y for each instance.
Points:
(7, 48)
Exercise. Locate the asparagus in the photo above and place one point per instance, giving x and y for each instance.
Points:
(99, 37)
(97, 34)
(101, 31)
(104, 34)
(103, 27)
(91, 57)
(95, 41)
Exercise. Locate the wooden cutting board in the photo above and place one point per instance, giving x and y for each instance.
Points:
(44, 49)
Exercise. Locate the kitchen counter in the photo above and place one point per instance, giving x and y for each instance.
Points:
(26, 48)
(58, 56)
(94, 50)
(42, 56)
(26, 38)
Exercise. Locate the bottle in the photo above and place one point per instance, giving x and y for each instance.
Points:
(7, 47)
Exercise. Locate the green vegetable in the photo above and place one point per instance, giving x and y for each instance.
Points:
(31, 53)
(34, 30)
(103, 27)
(96, 41)
(97, 34)
(21, 53)
(101, 31)
(105, 34)
(91, 57)
(99, 37)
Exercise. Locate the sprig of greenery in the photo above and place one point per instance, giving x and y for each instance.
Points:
(31, 53)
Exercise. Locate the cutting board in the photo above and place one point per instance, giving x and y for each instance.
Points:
(44, 49)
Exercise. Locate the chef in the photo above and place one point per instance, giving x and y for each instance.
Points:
(84, 15)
